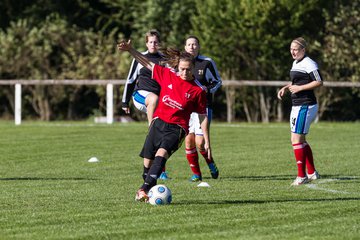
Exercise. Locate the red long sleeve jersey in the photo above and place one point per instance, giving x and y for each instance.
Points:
(178, 98)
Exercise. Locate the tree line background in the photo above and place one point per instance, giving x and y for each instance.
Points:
(248, 39)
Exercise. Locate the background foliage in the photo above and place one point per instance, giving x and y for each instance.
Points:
(45, 39)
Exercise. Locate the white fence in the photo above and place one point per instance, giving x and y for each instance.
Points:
(110, 89)
(109, 92)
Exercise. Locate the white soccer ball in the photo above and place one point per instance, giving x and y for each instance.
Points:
(159, 195)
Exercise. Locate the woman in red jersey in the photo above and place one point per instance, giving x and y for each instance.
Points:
(180, 95)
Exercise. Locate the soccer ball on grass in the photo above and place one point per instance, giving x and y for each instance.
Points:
(159, 195)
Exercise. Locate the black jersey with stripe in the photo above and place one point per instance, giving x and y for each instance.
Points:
(206, 73)
(139, 78)
(303, 72)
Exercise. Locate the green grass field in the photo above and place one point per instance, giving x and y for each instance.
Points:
(50, 191)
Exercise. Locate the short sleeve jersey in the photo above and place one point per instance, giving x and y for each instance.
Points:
(303, 72)
(178, 98)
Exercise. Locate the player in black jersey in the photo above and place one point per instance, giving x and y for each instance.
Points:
(140, 86)
(206, 73)
(305, 77)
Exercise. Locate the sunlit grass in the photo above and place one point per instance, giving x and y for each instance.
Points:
(50, 191)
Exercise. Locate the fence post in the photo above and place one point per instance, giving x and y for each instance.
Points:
(109, 103)
(17, 104)
(230, 103)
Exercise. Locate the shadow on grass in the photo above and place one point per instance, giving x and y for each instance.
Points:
(223, 202)
(283, 177)
(45, 179)
(275, 178)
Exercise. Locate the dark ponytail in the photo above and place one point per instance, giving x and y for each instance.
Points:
(173, 56)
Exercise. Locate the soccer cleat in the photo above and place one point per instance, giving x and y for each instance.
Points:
(196, 178)
(141, 196)
(313, 176)
(213, 170)
(299, 181)
(164, 176)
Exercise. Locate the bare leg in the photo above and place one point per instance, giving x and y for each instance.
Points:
(151, 102)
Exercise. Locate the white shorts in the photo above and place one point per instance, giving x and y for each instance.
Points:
(194, 123)
(139, 99)
(301, 117)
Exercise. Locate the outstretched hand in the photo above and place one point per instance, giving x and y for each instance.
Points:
(124, 46)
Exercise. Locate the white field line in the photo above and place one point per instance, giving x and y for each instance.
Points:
(265, 125)
(316, 186)
(67, 125)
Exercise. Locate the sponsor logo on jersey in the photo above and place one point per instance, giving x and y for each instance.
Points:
(171, 103)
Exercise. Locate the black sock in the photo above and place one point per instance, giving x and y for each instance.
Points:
(145, 172)
(153, 173)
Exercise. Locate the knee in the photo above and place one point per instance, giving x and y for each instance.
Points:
(200, 143)
(162, 153)
(297, 138)
(190, 141)
(152, 100)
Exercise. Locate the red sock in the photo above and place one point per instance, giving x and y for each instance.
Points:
(193, 159)
(309, 159)
(205, 155)
(163, 169)
(299, 152)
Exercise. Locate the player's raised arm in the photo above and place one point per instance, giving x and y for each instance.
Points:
(126, 46)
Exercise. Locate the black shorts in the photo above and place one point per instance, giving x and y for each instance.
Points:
(162, 135)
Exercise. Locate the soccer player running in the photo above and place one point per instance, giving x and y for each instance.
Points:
(180, 95)
(140, 86)
(206, 72)
(305, 77)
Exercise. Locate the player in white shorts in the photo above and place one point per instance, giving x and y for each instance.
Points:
(139, 85)
(208, 77)
(139, 99)
(305, 77)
